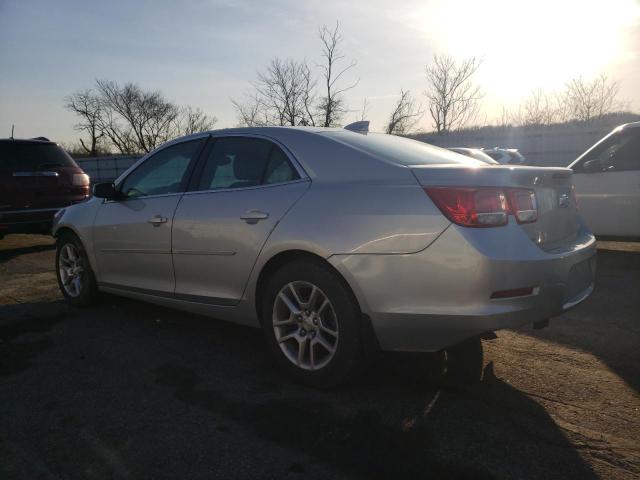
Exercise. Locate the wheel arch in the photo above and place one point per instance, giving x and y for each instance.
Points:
(370, 345)
(282, 258)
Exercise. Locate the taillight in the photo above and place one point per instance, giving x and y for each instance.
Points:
(523, 205)
(80, 180)
(484, 206)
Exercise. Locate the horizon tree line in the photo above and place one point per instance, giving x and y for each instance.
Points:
(132, 120)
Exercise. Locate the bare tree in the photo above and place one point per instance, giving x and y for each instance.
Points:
(144, 118)
(405, 116)
(365, 109)
(283, 94)
(131, 119)
(540, 108)
(505, 119)
(331, 105)
(87, 105)
(453, 97)
(250, 112)
(283, 90)
(588, 100)
(194, 120)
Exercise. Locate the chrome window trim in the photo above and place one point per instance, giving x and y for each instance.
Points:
(240, 189)
(36, 174)
(144, 197)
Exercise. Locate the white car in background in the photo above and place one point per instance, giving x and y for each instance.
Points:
(607, 183)
(476, 153)
(505, 156)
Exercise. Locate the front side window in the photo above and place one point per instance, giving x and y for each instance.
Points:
(163, 172)
(238, 162)
(618, 152)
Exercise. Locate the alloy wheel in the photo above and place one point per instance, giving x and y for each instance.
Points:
(71, 268)
(305, 325)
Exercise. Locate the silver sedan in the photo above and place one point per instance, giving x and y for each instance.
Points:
(332, 241)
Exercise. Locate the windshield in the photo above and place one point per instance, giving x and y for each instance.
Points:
(26, 156)
(400, 150)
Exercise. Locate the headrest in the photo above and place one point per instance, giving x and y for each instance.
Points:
(247, 167)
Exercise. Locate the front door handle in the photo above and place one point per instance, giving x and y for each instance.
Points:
(158, 220)
(254, 216)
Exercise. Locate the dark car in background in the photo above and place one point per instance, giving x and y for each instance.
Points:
(37, 178)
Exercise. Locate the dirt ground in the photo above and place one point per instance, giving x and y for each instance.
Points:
(127, 390)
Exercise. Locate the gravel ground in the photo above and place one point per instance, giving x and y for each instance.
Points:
(127, 390)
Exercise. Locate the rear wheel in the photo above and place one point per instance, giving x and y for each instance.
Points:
(75, 276)
(312, 324)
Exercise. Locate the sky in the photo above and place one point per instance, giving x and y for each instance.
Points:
(205, 52)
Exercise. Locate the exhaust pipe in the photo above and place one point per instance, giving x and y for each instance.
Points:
(541, 324)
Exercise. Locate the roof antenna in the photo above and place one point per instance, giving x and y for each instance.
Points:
(12, 131)
(361, 126)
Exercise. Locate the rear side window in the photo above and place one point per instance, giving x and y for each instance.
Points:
(399, 150)
(238, 162)
(31, 157)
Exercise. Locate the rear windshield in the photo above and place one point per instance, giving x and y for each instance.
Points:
(400, 150)
(22, 157)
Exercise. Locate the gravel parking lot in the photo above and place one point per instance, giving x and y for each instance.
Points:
(127, 390)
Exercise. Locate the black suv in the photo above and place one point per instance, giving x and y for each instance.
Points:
(37, 178)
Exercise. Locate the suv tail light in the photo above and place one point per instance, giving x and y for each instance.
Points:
(80, 180)
(484, 206)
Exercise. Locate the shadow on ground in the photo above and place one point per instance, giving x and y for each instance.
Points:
(6, 255)
(128, 390)
(608, 323)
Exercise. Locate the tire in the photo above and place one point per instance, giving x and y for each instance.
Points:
(82, 292)
(465, 361)
(284, 331)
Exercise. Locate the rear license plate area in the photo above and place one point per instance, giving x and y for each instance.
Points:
(581, 276)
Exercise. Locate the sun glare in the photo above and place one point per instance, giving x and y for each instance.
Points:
(530, 45)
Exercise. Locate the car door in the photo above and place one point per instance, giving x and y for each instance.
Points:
(132, 236)
(243, 188)
(607, 183)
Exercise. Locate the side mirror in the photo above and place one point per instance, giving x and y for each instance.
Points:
(592, 166)
(106, 190)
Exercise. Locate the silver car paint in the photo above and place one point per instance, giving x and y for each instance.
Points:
(423, 282)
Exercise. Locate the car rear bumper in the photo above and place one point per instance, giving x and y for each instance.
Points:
(24, 221)
(442, 295)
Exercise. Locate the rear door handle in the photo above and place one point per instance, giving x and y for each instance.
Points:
(158, 220)
(254, 216)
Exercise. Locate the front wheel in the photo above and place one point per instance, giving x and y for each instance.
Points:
(75, 276)
(312, 324)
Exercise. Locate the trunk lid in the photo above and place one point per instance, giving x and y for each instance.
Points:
(558, 221)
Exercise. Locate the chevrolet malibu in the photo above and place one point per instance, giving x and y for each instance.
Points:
(332, 241)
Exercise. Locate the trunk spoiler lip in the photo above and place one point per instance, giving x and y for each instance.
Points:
(490, 176)
(501, 168)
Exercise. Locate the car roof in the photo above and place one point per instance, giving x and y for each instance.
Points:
(25, 141)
